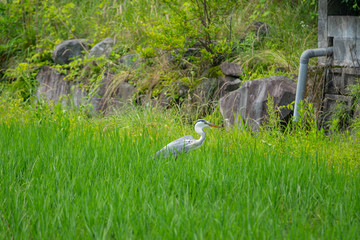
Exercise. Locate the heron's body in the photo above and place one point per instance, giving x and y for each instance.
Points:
(188, 142)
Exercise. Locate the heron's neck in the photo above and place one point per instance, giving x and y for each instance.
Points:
(202, 134)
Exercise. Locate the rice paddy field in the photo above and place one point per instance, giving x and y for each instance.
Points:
(66, 176)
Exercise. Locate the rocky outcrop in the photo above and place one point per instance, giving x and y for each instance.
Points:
(226, 86)
(53, 87)
(212, 89)
(204, 99)
(231, 81)
(113, 92)
(231, 69)
(102, 48)
(130, 61)
(249, 102)
(68, 50)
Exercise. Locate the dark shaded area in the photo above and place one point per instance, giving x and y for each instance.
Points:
(343, 7)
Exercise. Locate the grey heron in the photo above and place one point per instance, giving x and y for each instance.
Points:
(186, 143)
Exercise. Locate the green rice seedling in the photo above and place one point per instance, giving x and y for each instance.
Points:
(68, 177)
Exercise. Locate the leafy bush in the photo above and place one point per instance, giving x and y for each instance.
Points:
(161, 32)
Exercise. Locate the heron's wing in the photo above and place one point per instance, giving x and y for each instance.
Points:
(176, 147)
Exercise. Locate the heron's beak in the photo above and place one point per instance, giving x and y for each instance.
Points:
(213, 125)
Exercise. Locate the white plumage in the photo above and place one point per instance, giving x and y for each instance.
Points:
(186, 143)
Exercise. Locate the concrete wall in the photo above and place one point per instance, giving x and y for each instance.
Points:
(343, 34)
(322, 29)
(345, 31)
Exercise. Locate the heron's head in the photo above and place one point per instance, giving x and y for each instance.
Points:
(203, 124)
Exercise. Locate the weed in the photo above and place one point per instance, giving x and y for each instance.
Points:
(90, 176)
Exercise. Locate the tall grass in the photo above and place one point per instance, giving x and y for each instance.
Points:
(70, 177)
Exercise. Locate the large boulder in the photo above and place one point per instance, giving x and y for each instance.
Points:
(130, 61)
(102, 48)
(68, 50)
(226, 86)
(212, 89)
(231, 69)
(53, 87)
(206, 90)
(249, 102)
(206, 95)
(113, 91)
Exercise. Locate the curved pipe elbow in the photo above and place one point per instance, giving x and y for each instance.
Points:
(304, 61)
(310, 53)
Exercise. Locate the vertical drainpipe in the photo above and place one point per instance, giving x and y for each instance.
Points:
(304, 61)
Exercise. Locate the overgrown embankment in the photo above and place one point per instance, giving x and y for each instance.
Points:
(178, 41)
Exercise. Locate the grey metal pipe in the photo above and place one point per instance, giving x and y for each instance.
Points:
(304, 61)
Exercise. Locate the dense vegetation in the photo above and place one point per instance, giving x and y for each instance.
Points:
(65, 174)
(68, 176)
(154, 29)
